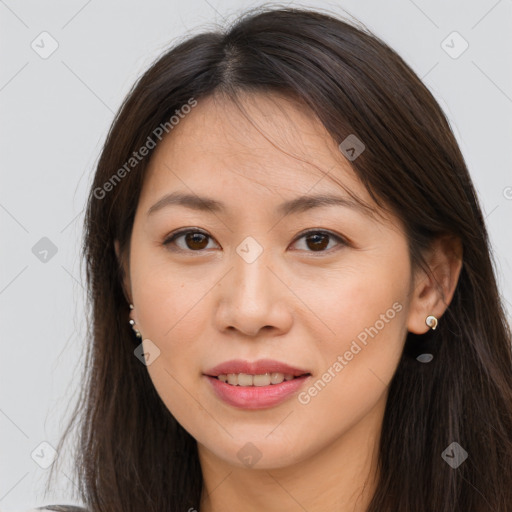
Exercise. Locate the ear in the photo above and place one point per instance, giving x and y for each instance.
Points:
(124, 269)
(433, 291)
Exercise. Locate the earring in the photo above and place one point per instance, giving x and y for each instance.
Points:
(431, 321)
(132, 323)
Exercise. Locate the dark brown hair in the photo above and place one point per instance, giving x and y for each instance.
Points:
(132, 455)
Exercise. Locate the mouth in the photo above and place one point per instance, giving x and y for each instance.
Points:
(263, 372)
(258, 391)
(257, 380)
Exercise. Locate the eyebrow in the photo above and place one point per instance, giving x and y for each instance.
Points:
(298, 205)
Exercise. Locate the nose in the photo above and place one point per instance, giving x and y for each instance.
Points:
(253, 298)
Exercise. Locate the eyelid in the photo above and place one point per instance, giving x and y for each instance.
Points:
(322, 231)
(339, 238)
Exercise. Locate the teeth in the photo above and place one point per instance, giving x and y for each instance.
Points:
(244, 379)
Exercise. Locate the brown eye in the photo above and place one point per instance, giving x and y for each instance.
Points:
(194, 240)
(318, 241)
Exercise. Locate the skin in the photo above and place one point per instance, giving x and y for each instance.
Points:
(293, 304)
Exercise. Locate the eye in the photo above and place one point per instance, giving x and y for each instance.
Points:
(319, 240)
(196, 240)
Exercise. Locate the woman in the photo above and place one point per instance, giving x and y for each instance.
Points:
(293, 301)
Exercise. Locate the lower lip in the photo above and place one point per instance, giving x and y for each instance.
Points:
(256, 397)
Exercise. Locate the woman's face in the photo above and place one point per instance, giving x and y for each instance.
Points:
(253, 284)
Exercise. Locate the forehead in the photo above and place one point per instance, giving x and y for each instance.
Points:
(265, 146)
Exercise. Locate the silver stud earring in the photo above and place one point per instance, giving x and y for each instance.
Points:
(431, 321)
(132, 323)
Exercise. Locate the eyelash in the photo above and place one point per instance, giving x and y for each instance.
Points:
(173, 236)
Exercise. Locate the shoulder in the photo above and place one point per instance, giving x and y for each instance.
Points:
(57, 508)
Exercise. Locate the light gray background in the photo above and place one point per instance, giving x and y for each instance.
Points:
(55, 113)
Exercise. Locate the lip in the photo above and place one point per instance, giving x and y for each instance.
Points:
(256, 397)
(258, 367)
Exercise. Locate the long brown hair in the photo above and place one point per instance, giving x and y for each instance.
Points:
(131, 454)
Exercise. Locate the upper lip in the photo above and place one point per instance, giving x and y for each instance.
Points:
(254, 368)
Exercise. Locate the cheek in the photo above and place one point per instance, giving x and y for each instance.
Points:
(357, 367)
(172, 315)
(164, 294)
(366, 317)
(172, 312)
(354, 298)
